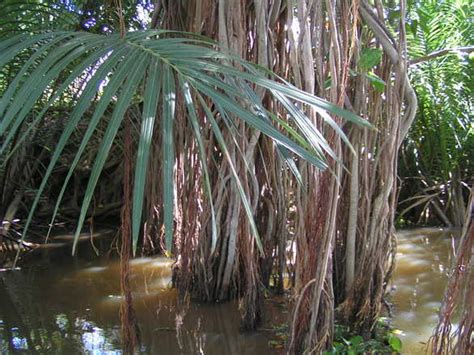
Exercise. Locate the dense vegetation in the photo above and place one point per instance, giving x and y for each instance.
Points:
(436, 161)
(255, 142)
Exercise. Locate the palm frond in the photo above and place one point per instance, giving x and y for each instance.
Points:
(150, 63)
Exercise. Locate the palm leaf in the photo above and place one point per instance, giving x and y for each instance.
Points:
(82, 105)
(117, 67)
(150, 105)
(169, 96)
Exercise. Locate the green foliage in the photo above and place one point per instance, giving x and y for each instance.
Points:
(370, 58)
(383, 343)
(377, 83)
(437, 155)
(19, 16)
(395, 343)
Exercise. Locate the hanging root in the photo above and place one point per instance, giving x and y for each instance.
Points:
(252, 302)
(459, 294)
(301, 297)
(127, 314)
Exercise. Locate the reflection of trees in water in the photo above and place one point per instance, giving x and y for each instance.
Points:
(28, 323)
(198, 328)
(50, 310)
(24, 325)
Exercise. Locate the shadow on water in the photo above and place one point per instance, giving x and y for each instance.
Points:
(424, 257)
(61, 304)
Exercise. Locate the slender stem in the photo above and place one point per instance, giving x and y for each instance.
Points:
(440, 53)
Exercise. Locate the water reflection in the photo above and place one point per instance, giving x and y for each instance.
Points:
(71, 305)
(423, 260)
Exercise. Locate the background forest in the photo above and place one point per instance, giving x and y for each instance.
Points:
(264, 145)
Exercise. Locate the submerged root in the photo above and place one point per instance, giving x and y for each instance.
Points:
(458, 295)
(127, 313)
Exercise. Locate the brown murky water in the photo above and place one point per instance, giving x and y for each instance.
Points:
(68, 305)
(71, 306)
(423, 260)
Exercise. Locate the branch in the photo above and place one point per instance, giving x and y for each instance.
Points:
(440, 53)
(155, 15)
(388, 43)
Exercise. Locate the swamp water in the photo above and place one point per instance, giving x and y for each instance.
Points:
(424, 258)
(65, 305)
